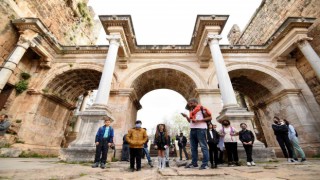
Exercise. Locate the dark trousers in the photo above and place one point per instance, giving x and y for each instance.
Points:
(285, 145)
(220, 152)
(101, 152)
(125, 152)
(232, 151)
(135, 155)
(248, 149)
(213, 153)
(184, 150)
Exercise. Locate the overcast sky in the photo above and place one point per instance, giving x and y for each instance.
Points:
(170, 22)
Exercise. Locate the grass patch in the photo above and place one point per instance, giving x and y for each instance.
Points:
(7, 145)
(25, 154)
(316, 156)
(114, 159)
(83, 174)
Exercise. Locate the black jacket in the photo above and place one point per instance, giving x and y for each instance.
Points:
(181, 142)
(215, 136)
(246, 136)
(280, 129)
(124, 139)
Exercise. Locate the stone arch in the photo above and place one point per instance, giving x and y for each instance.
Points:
(67, 68)
(189, 72)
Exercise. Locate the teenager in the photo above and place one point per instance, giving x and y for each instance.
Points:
(161, 143)
(104, 139)
(213, 140)
(293, 137)
(281, 131)
(136, 137)
(228, 134)
(247, 138)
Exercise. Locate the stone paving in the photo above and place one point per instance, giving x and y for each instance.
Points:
(31, 168)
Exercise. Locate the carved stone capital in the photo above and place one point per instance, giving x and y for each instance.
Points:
(26, 39)
(303, 41)
(115, 39)
(214, 38)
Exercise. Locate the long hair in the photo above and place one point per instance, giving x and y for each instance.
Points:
(164, 130)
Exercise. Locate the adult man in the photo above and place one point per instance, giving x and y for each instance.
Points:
(199, 116)
(4, 124)
(104, 139)
(182, 143)
(136, 137)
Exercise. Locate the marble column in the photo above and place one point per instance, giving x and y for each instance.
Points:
(225, 86)
(107, 74)
(86, 97)
(25, 41)
(311, 56)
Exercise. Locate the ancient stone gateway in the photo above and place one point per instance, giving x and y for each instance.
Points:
(265, 76)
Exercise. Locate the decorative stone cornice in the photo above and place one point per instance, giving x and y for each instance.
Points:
(203, 21)
(301, 42)
(26, 39)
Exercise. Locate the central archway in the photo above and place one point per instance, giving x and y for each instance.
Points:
(164, 78)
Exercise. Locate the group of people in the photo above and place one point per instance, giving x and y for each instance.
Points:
(203, 133)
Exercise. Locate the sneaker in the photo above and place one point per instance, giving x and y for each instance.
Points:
(292, 160)
(191, 166)
(238, 164)
(102, 165)
(95, 165)
(303, 160)
(253, 164)
(289, 160)
(203, 167)
(248, 164)
(296, 159)
(150, 164)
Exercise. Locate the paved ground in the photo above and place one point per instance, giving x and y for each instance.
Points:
(30, 168)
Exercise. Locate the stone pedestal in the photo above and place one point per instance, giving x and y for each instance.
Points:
(83, 148)
(236, 116)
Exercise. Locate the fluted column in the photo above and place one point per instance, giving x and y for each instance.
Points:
(108, 69)
(225, 86)
(25, 41)
(311, 56)
(86, 97)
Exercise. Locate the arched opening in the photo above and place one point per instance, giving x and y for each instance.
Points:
(164, 78)
(253, 89)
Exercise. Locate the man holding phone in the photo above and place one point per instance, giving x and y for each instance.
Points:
(199, 116)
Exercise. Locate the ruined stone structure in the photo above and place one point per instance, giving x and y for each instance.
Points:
(271, 66)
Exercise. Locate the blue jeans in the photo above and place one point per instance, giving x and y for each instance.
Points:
(199, 136)
(147, 154)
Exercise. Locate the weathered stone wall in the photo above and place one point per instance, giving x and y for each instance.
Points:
(70, 21)
(269, 17)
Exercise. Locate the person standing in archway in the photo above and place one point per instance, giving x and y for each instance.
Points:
(199, 116)
(182, 143)
(161, 143)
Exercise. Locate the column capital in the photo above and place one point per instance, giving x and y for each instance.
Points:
(301, 42)
(115, 39)
(26, 39)
(214, 38)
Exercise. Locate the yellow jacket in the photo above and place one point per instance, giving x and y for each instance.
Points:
(136, 137)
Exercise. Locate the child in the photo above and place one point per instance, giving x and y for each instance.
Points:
(213, 140)
(136, 137)
(161, 144)
(247, 138)
(104, 139)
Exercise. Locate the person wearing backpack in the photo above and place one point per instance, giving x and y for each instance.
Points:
(247, 138)
(293, 137)
(228, 134)
(199, 116)
(213, 140)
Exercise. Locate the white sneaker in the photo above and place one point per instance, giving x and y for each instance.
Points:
(253, 164)
(289, 160)
(248, 164)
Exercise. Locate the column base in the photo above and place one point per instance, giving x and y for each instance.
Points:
(83, 148)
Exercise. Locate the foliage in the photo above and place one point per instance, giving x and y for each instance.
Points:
(7, 145)
(114, 159)
(18, 120)
(83, 174)
(21, 86)
(25, 76)
(177, 124)
(25, 154)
